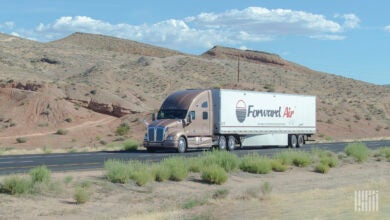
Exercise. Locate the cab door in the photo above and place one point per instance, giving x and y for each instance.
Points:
(199, 130)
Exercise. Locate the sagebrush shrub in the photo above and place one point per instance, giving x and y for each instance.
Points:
(16, 185)
(224, 159)
(357, 150)
(40, 174)
(321, 168)
(81, 195)
(214, 174)
(122, 129)
(178, 168)
(253, 163)
(130, 145)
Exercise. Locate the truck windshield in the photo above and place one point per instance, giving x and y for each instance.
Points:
(171, 114)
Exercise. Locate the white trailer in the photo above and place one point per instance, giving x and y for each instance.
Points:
(264, 119)
(230, 118)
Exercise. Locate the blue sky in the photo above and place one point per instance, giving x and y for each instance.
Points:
(350, 38)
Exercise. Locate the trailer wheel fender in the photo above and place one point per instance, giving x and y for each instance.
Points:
(182, 145)
(231, 143)
(292, 141)
(301, 141)
(222, 143)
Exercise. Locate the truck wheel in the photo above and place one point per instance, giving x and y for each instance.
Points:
(222, 143)
(293, 141)
(231, 144)
(182, 146)
(301, 141)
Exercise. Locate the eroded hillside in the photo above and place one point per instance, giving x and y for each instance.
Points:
(90, 78)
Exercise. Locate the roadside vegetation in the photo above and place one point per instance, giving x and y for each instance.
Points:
(213, 167)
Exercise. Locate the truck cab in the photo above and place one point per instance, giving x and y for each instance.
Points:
(183, 121)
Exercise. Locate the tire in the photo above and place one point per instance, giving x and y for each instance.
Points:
(150, 150)
(231, 143)
(222, 143)
(182, 146)
(301, 141)
(292, 141)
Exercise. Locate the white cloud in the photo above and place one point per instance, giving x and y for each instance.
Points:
(387, 28)
(8, 25)
(351, 21)
(328, 37)
(231, 28)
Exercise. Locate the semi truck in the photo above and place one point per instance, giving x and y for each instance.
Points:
(230, 119)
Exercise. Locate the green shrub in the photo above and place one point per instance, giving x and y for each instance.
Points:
(195, 164)
(117, 171)
(253, 163)
(302, 159)
(385, 152)
(295, 157)
(214, 174)
(285, 157)
(121, 172)
(122, 129)
(330, 161)
(224, 159)
(177, 166)
(81, 195)
(278, 166)
(141, 177)
(21, 140)
(16, 185)
(357, 150)
(62, 131)
(326, 157)
(161, 172)
(130, 145)
(321, 168)
(40, 174)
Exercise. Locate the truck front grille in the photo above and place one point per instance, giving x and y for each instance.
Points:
(156, 134)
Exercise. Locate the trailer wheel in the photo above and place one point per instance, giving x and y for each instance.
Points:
(292, 141)
(182, 146)
(222, 143)
(231, 144)
(301, 141)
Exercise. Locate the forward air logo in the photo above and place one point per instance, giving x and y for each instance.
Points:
(241, 111)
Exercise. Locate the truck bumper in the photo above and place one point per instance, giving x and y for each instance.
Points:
(161, 145)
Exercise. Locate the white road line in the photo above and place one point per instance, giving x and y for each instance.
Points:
(10, 162)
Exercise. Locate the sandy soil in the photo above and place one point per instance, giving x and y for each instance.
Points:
(298, 193)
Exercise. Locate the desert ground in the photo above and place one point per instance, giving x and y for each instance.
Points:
(298, 193)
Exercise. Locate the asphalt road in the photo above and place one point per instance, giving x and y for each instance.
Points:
(95, 160)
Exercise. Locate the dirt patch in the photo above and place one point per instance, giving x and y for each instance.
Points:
(298, 193)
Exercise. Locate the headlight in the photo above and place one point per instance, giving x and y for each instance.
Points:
(170, 138)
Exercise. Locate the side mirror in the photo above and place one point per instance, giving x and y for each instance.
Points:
(153, 117)
(189, 119)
